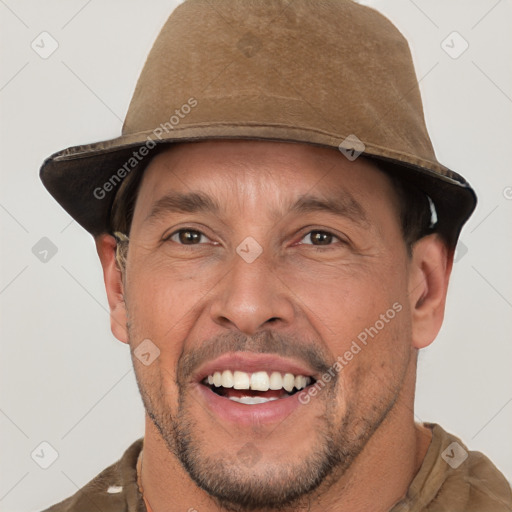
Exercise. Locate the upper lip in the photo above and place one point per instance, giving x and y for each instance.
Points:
(251, 362)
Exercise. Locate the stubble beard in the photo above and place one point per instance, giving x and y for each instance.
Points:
(268, 485)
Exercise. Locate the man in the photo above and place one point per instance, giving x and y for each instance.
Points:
(276, 237)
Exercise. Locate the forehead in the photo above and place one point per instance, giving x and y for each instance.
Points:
(262, 174)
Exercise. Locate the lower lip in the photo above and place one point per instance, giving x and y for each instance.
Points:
(248, 415)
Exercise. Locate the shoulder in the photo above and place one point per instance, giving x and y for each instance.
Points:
(113, 490)
(468, 480)
(487, 487)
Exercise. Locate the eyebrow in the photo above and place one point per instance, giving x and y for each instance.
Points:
(196, 202)
(174, 202)
(343, 206)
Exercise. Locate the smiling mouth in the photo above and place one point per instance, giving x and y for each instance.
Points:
(257, 387)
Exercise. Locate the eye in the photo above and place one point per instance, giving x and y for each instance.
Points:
(318, 237)
(188, 237)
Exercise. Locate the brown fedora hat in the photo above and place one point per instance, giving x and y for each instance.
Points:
(327, 72)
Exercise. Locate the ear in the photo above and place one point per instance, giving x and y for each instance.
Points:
(106, 247)
(430, 269)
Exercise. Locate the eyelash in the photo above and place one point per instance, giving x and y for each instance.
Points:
(321, 231)
(184, 230)
(309, 233)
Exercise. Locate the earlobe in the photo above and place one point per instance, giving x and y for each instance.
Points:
(106, 247)
(429, 274)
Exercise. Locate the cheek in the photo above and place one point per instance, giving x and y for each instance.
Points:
(360, 312)
(164, 302)
(162, 297)
(379, 367)
(342, 299)
(373, 379)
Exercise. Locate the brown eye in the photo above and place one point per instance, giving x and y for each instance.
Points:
(318, 237)
(188, 237)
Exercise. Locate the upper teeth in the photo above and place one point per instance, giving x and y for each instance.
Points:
(258, 381)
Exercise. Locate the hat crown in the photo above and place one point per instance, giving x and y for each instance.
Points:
(331, 66)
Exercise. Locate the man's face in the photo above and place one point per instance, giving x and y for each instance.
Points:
(267, 258)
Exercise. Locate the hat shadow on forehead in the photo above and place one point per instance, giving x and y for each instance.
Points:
(332, 73)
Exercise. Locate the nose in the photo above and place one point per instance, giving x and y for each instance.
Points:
(251, 297)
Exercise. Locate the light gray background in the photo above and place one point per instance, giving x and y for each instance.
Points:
(67, 381)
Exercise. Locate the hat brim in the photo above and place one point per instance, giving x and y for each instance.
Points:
(84, 179)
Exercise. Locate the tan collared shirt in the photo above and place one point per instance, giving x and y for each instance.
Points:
(450, 479)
